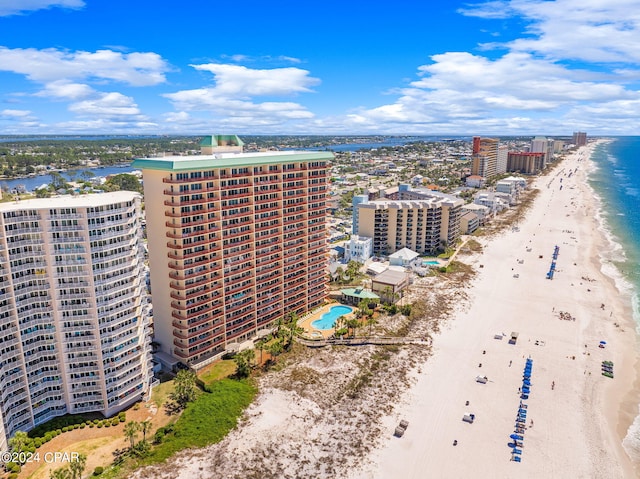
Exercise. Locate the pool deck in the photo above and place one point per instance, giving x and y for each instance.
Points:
(314, 333)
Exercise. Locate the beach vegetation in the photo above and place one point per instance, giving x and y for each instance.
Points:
(204, 421)
(244, 362)
(185, 388)
(218, 370)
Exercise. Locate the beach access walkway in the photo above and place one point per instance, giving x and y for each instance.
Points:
(361, 341)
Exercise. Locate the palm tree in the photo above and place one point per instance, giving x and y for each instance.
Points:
(145, 427)
(76, 468)
(18, 441)
(131, 431)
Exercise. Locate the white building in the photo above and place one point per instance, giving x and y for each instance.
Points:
(482, 212)
(74, 326)
(358, 248)
(492, 201)
(404, 257)
(502, 160)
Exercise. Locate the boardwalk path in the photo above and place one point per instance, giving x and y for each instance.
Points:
(380, 341)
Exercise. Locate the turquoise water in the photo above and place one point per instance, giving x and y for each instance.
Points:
(431, 263)
(616, 184)
(328, 319)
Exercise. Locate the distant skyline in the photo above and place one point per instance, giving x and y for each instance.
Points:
(504, 67)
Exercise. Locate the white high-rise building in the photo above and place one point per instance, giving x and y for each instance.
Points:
(74, 327)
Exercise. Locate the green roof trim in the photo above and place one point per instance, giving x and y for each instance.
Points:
(359, 293)
(221, 140)
(203, 162)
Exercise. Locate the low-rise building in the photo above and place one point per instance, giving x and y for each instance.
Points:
(358, 248)
(469, 222)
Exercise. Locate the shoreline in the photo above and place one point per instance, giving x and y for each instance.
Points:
(581, 423)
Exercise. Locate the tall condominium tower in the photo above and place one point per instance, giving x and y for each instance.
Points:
(579, 138)
(485, 156)
(236, 241)
(74, 331)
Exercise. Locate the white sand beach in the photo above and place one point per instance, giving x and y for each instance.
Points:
(574, 429)
(310, 421)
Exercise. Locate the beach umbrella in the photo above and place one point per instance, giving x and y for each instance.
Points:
(527, 382)
(516, 437)
(603, 342)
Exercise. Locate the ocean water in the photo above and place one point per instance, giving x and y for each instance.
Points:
(616, 182)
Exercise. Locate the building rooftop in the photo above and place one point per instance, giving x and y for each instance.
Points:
(228, 160)
(221, 140)
(391, 276)
(70, 201)
(359, 293)
(405, 254)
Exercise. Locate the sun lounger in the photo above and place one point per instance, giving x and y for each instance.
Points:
(516, 458)
(520, 419)
(516, 451)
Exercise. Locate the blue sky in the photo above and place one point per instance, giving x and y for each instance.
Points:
(334, 67)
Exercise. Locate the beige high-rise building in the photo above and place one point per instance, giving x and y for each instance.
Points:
(236, 241)
(74, 329)
(421, 220)
(484, 156)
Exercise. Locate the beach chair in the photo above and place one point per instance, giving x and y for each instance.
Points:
(516, 458)
(521, 420)
(516, 451)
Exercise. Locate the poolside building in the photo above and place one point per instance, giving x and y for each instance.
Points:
(236, 241)
(75, 328)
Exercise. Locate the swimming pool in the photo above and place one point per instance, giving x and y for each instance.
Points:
(431, 263)
(328, 319)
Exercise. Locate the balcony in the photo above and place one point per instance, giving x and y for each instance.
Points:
(212, 291)
(189, 192)
(187, 307)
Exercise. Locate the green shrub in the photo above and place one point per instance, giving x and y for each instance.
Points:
(115, 421)
(98, 470)
(100, 424)
(13, 475)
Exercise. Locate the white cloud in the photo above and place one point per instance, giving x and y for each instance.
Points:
(13, 7)
(66, 90)
(586, 30)
(246, 82)
(107, 105)
(231, 100)
(15, 114)
(50, 65)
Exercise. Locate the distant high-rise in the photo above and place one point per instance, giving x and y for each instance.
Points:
(579, 138)
(74, 326)
(540, 145)
(527, 163)
(485, 156)
(236, 242)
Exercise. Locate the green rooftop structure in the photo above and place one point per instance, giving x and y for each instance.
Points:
(355, 295)
(217, 142)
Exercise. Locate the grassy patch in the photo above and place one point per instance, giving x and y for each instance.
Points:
(207, 420)
(218, 370)
(161, 392)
